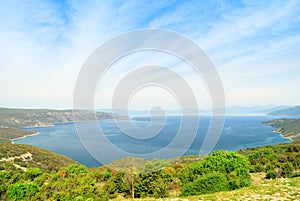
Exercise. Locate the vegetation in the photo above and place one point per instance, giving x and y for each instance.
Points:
(229, 169)
(262, 173)
(18, 118)
(23, 157)
(287, 127)
(45, 179)
(157, 179)
(11, 120)
(7, 134)
(260, 189)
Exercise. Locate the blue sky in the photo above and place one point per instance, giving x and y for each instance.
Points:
(254, 45)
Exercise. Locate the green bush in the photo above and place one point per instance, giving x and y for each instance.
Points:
(152, 184)
(269, 167)
(263, 156)
(286, 169)
(21, 191)
(76, 169)
(235, 166)
(209, 183)
(106, 175)
(229, 163)
(271, 174)
(32, 173)
(2, 189)
(293, 148)
(258, 168)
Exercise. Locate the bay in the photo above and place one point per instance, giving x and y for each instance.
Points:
(239, 132)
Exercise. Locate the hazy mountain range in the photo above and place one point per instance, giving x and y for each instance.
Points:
(231, 110)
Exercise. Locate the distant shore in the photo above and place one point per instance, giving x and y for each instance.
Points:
(19, 138)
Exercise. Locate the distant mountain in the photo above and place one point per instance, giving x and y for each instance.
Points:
(288, 111)
(265, 109)
(18, 118)
(231, 110)
(139, 113)
(20, 156)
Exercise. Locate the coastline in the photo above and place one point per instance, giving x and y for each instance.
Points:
(280, 133)
(12, 140)
(44, 126)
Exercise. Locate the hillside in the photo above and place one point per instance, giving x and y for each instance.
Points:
(287, 127)
(18, 118)
(11, 120)
(7, 134)
(288, 111)
(19, 156)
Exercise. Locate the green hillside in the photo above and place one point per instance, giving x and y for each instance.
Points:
(11, 120)
(289, 111)
(287, 127)
(8, 134)
(266, 173)
(18, 118)
(20, 156)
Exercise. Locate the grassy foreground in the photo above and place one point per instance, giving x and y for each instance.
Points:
(260, 189)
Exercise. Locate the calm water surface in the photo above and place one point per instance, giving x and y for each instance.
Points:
(239, 132)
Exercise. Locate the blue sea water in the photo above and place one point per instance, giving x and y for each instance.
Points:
(239, 132)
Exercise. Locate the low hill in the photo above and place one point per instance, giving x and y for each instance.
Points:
(20, 156)
(288, 111)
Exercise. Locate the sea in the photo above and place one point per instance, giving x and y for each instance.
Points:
(239, 132)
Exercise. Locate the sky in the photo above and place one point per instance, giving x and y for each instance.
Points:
(255, 46)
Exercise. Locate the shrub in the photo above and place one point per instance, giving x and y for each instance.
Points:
(32, 173)
(152, 184)
(2, 189)
(271, 174)
(293, 148)
(5, 175)
(209, 183)
(258, 168)
(76, 169)
(106, 175)
(269, 167)
(232, 164)
(263, 156)
(286, 170)
(21, 191)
